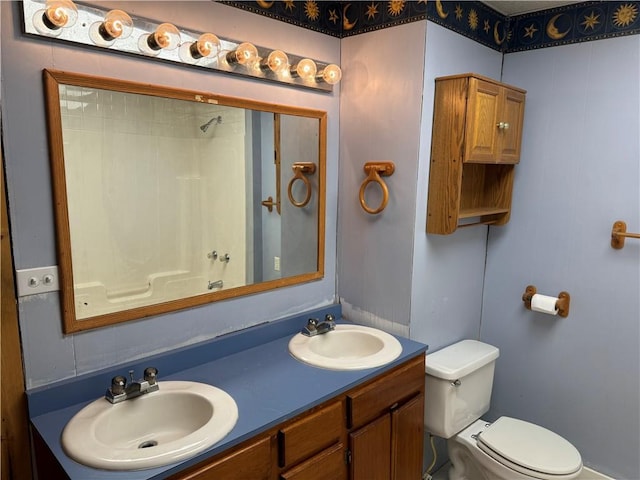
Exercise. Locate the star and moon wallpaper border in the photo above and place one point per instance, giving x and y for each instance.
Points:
(580, 22)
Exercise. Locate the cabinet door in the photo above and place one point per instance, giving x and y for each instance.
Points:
(512, 114)
(326, 465)
(371, 450)
(482, 132)
(252, 462)
(407, 437)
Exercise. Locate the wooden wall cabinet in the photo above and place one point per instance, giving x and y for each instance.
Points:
(476, 140)
(373, 432)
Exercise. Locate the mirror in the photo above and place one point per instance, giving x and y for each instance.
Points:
(167, 198)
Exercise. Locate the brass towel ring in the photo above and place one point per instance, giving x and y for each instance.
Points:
(299, 169)
(374, 170)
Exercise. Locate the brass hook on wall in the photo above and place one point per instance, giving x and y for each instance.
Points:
(619, 233)
(300, 170)
(374, 171)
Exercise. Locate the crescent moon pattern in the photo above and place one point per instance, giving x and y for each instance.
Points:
(263, 4)
(579, 22)
(440, 10)
(346, 24)
(553, 32)
(496, 34)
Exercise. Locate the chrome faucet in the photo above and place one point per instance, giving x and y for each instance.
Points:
(314, 327)
(120, 391)
(216, 284)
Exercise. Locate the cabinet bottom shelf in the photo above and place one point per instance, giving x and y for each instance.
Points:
(481, 212)
(483, 216)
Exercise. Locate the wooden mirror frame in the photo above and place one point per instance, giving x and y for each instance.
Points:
(71, 324)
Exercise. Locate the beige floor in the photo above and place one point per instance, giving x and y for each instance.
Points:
(587, 474)
(441, 474)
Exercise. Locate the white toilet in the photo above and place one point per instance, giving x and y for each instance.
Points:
(459, 379)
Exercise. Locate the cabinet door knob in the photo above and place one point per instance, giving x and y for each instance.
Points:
(503, 126)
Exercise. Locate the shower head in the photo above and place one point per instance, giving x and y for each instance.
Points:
(206, 126)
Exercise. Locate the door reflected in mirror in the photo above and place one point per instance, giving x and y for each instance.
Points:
(168, 199)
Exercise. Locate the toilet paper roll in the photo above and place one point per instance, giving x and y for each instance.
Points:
(544, 304)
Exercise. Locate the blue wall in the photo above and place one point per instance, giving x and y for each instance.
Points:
(579, 172)
(48, 354)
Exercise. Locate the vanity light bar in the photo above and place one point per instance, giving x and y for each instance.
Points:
(116, 30)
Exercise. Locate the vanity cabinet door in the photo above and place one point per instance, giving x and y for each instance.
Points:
(407, 434)
(371, 450)
(251, 462)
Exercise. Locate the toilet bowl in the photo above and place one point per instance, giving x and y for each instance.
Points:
(459, 381)
(511, 449)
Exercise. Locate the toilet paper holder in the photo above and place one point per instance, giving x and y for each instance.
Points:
(562, 304)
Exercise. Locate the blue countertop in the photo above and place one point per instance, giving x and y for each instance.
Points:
(267, 383)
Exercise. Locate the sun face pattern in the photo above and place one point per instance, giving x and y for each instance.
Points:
(396, 7)
(625, 15)
(473, 19)
(311, 10)
(586, 21)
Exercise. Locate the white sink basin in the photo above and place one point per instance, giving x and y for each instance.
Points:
(176, 422)
(348, 347)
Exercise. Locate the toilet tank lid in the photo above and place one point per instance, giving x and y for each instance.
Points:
(460, 359)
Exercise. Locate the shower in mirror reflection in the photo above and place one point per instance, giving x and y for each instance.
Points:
(214, 121)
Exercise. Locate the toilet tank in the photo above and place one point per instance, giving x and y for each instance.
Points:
(459, 380)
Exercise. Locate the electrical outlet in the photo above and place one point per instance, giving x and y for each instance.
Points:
(32, 281)
(276, 264)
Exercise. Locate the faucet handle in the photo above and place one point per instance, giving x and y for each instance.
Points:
(118, 384)
(150, 374)
(329, 318)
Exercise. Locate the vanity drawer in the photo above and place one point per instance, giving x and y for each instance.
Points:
(301, 439)
(372, 400)
(252, 461)
(326, 465)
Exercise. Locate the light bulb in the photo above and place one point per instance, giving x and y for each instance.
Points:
(305, 69)
(245, 54)
(207, 45)
(331, 74)
(277, 62)
(166, 37)
(116, 24)
(57, 14)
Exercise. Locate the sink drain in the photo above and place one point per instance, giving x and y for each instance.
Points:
(148, 443)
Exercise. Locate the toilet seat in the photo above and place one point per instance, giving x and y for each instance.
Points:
(529, 449)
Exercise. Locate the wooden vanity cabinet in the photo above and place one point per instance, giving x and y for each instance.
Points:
(476, 140)
(373, 432)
